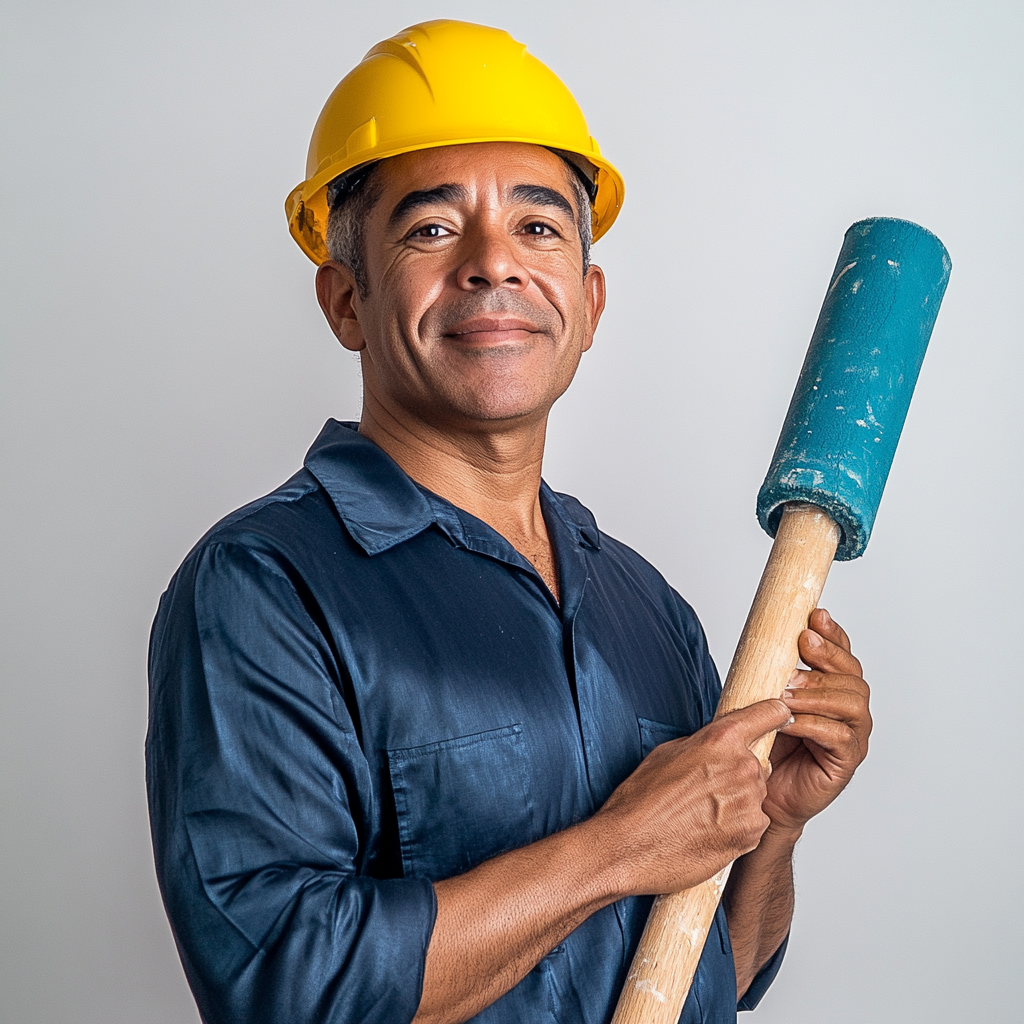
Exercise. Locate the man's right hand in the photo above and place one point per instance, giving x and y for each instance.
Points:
(692, 806)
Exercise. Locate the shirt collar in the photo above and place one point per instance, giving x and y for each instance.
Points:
(576, 516)
(382, 506)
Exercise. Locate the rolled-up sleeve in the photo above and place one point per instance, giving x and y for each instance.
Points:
(762, 981)
(263, 808)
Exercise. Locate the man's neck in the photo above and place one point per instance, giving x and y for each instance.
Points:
(492, 474)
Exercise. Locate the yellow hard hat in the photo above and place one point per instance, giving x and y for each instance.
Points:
(442, 83)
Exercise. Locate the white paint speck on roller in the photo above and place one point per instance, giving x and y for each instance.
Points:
(849, 266)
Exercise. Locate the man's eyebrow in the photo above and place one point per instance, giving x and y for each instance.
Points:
(450, 193)
(541, 195)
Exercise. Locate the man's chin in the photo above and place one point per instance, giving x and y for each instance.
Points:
(502, 390)
(499, 417)
(496, 410)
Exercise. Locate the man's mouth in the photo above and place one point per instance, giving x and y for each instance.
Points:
(491, 330)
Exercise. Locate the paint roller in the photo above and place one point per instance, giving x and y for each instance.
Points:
(818, 501)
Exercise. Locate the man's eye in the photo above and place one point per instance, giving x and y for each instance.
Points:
(430, 231)
(539, 229)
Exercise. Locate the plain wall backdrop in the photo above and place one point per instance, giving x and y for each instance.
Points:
(164, 361)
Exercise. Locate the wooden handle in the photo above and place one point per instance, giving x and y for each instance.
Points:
(766, 655)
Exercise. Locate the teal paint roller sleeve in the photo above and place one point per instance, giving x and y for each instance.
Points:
(850, 403)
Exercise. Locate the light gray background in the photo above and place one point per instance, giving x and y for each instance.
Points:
(164, 361)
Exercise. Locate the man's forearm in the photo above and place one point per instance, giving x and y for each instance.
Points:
(759, 904)
(497, 921)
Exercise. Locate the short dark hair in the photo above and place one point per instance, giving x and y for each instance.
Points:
(352, 195)
(350, 198)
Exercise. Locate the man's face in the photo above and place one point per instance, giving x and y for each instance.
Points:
(477, 310)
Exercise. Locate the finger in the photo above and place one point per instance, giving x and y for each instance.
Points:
(783, 748)
(823, 623)
(811, 679)
(834, 745)
(751, 723)
(821, 653)
(839, 705)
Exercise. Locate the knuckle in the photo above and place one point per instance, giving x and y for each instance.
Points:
(728, 729)
(753, 827)
(748, 771)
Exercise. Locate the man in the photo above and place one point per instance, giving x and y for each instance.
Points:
(424, 741)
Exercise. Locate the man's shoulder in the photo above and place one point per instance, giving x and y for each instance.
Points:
(630, 566)
(274, 517)
(284, 529)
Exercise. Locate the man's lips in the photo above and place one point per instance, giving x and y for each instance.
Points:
(484, 330)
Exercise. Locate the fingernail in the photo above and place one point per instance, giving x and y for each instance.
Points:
(813, 639)
(791, 720)
(793, 679)
(825, 615)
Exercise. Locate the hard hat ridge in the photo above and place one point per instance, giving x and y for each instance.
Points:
(444, 83)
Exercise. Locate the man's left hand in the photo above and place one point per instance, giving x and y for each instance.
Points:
(816, 755)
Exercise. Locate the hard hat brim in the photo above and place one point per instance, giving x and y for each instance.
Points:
(307, 212)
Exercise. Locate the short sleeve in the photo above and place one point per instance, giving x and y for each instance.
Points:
(262, 809)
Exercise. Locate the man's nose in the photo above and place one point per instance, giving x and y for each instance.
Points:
(490, 260)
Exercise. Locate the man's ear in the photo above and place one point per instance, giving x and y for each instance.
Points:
(594, 288)
(337, 293)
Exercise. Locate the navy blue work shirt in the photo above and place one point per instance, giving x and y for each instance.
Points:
(357, 689)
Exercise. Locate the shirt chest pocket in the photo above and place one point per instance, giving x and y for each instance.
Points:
(461, 801)
(653, 734)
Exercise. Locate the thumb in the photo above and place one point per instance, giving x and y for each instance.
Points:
(751, 723)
